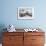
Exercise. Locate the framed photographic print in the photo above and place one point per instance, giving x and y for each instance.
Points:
(25, 13)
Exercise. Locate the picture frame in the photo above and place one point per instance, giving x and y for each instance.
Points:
(25, 13)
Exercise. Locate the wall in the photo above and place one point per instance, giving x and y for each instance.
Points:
(9, 13)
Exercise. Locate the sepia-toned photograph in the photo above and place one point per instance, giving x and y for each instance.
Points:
(25, 13)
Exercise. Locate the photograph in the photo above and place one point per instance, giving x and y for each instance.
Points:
(25, 13)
